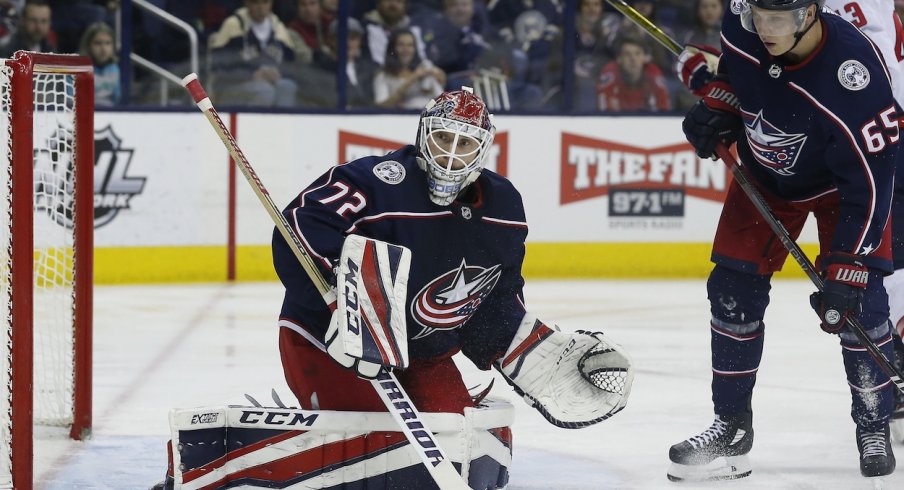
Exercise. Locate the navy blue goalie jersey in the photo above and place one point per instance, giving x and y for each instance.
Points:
(825, 124)
(465, 285)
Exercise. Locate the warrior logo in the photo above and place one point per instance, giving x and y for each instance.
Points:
(772, 148)
(112, 188)
(448, 301)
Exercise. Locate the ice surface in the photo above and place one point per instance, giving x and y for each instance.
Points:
(158, 347)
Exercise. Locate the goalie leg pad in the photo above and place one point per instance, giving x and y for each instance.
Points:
(261, 447)
(573, 379)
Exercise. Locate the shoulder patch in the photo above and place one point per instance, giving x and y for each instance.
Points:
(853, 75)
(737, 6)
(390, 171)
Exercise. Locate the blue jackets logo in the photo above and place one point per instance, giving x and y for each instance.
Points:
(448, 301)
(772, 148)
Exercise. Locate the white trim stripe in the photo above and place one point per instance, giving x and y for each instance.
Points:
(868, 390)
(872, 184)
(396, 214)
(503, 221)
(735, 337)
(738, 50)
(817, 196)
(304, 241)
(301, 331)
(736, 373)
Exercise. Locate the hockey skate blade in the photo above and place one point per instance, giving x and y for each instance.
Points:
(724, 468)
(878, 482)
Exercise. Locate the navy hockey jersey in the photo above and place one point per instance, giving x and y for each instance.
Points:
(465, 285)
(825, 124)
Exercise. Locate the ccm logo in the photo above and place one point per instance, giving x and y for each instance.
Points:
(277, 418)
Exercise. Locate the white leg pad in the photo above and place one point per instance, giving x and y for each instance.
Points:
(257, 447)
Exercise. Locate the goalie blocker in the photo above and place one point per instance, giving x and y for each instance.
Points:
(261, 447)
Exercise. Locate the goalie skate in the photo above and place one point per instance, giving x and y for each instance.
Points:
(719, 453)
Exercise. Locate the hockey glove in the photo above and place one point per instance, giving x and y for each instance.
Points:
(697, 66)
(367, 330)
(842, 296)
(573, 379)
(714, 119)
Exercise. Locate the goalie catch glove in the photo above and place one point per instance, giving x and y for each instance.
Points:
(368, 328)
(573, 379)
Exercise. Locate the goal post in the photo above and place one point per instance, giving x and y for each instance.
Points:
(47, 132)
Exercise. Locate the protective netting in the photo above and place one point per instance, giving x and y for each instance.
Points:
(54, 198)
(53, 287)
(612, 379)
(5, 277)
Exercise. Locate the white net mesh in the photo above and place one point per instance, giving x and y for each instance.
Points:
(53, 257)
(54, 123)
(5, 286)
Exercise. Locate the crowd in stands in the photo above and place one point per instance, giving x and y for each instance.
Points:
(397, 54)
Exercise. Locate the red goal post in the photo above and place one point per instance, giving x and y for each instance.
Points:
(47, 253)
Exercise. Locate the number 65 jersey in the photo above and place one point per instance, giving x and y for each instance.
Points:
(826, 124)
(465, 284)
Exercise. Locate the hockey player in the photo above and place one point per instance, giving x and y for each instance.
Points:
(465, 228)
(809, 101)
(879, 21)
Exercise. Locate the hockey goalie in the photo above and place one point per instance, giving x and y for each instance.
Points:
(424, 248)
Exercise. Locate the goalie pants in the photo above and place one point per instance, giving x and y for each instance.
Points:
(746, 253)
(319, 383)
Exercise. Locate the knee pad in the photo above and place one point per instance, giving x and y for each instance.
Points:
(221, 447)
(737, 298)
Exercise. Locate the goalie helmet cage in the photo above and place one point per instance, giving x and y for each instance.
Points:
(46, 264)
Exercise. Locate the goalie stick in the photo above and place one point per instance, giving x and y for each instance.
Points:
(386, 384)
(737, 171)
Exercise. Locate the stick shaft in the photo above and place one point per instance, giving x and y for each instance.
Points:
(387, 385)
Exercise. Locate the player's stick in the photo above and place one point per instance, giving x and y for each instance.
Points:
(386, 385)
(737, 171)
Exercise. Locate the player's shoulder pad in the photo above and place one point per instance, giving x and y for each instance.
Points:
(503, 200)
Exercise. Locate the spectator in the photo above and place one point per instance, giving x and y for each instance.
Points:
(74, 16)
(707, 26)
(632, 82)
(9, 11)
(310, 24)
(591, 51)
(619, 26)
(33, 33)
(97, 44)
(329, 8)
(388, 16)
(319, 89)
(406, 81)
(253, 56)
(455, 37)
(706, 30)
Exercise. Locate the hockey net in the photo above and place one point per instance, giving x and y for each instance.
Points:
(46, 150)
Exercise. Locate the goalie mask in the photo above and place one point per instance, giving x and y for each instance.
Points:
(454, 136)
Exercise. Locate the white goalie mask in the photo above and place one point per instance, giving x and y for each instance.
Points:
(454, 135)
